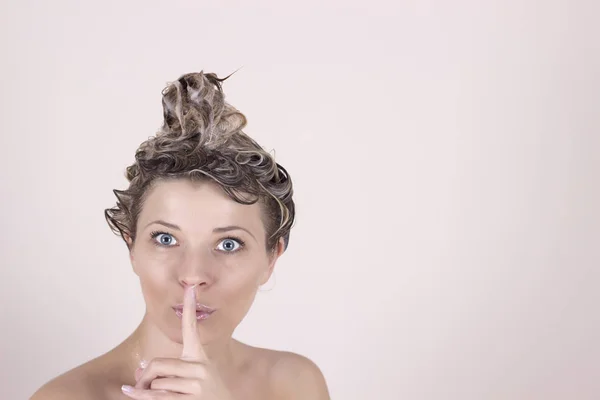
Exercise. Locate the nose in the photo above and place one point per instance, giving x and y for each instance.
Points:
(197, 268)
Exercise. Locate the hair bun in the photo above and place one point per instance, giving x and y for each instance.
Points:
(195, 104)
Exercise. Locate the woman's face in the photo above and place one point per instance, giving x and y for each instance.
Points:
(192, 233)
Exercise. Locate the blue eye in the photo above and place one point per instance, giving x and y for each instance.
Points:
(230, 245)
(163, 239)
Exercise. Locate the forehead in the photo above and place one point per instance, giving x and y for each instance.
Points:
(197, 206)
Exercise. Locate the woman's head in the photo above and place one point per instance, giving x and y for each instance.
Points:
(206, 205)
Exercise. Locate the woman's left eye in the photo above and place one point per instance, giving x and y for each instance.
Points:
(230, 245)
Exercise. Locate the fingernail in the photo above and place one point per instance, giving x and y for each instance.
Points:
(127, 389)
(143, 364)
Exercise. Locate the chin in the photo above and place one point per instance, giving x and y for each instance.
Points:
(171, 327)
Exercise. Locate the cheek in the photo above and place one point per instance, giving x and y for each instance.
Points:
(155, 272)
(240, 280)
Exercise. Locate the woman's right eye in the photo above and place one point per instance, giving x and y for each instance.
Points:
(163, 239)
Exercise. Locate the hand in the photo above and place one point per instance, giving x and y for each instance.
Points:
(189, 377)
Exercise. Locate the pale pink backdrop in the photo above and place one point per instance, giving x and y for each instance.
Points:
(446, 162)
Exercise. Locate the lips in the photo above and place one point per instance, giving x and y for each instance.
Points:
(202, 311)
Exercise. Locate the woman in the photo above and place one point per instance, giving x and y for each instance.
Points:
(206, 216)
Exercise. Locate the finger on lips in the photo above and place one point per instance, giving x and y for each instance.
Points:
(167, 376)
(192, 347)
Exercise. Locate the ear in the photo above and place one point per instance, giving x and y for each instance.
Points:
(273, 257)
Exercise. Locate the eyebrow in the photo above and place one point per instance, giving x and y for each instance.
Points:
(216, 230)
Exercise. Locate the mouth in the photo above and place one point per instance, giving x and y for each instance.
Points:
(202, 311)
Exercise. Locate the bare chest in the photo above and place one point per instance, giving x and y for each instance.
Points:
(250, 387)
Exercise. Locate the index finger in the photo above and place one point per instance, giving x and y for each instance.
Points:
(192, 347)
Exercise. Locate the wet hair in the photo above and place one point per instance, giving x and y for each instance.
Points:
(202, 139)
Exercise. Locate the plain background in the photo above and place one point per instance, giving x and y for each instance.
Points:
(445, 156)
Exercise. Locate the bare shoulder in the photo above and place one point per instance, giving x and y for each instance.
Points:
(286, 375)
(294, 376)
(79, 383)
